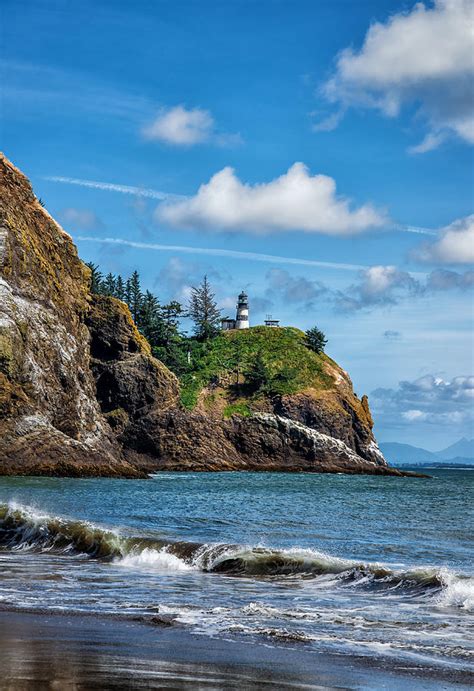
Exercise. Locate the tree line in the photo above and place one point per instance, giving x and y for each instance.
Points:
(161, 323)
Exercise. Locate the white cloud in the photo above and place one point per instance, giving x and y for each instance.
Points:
(429, 143)
(182, 127)
(423, 57)
(380, 286)
(377, 286)
(414, 415)
(429, 399)
(454, 246)
(294, 201)
(84, 219)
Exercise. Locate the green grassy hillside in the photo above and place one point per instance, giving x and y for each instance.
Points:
(243, 367)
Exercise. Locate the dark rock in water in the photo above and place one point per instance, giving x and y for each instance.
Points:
(81, 394)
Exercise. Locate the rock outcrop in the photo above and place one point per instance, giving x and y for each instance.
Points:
(131, 385)
(50, 419)
(81, 394)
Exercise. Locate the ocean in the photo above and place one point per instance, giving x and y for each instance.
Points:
(375, 567)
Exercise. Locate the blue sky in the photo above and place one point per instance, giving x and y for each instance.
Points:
(172, 96)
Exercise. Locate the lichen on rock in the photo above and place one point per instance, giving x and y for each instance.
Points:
(51, 422)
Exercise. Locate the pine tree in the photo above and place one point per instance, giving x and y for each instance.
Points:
(136, 296)
(96, 278)
(128, 293)
(148, 319)
(120, 288)
(110, 285)
(257, 375)
(203, 311)
(170, 315)
(315, 340)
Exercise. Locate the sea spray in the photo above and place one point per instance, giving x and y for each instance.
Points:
(25, 529)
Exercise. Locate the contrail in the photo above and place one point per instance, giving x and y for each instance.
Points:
(215, 252)
(112, 187)
(415, 229)
(164, 196)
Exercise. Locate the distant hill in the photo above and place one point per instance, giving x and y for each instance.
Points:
(463, 448)
(397, 453)
(459, 460)
(402, 454)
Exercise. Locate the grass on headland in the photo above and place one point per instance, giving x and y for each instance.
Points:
(251, 364)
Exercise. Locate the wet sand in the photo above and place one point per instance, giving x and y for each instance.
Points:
(56, 651)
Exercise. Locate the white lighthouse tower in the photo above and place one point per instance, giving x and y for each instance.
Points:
(242, 319)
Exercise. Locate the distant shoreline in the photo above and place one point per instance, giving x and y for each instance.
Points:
(435, 466)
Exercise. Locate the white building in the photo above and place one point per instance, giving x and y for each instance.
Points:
(241, 320)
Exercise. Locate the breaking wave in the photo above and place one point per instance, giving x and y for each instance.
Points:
(22, 528)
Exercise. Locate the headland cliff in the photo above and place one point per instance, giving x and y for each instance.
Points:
(82, 395)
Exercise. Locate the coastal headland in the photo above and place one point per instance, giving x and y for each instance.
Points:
(82, 395)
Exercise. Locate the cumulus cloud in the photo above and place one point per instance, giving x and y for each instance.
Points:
(293, 289)
(429, 399)
(441, 279)
(377, 286)
(81, 219)
(423, 57)
(294, 201)
(455, 244)
(380, 286)
(180, 126)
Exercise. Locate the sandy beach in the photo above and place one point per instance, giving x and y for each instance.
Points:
(55, 651)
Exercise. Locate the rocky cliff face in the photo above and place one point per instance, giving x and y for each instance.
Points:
(50, 420)
(80, 393)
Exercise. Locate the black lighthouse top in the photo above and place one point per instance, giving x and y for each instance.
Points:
(243, 299)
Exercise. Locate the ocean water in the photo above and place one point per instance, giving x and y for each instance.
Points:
(357, 565)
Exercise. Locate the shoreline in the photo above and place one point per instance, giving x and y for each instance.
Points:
(80, 651)
(145, 470)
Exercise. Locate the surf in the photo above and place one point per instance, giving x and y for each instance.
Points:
(23, 528)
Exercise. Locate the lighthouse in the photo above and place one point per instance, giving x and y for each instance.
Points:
(242, 318)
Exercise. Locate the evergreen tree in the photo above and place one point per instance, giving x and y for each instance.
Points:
(128, 292)
(136, 296)
(203, 311)
(257, 376)
(315, 340)
(149, 317)
(120, 288)
(96, 278)
(158, 323)
(109, 285)
(170, 315)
